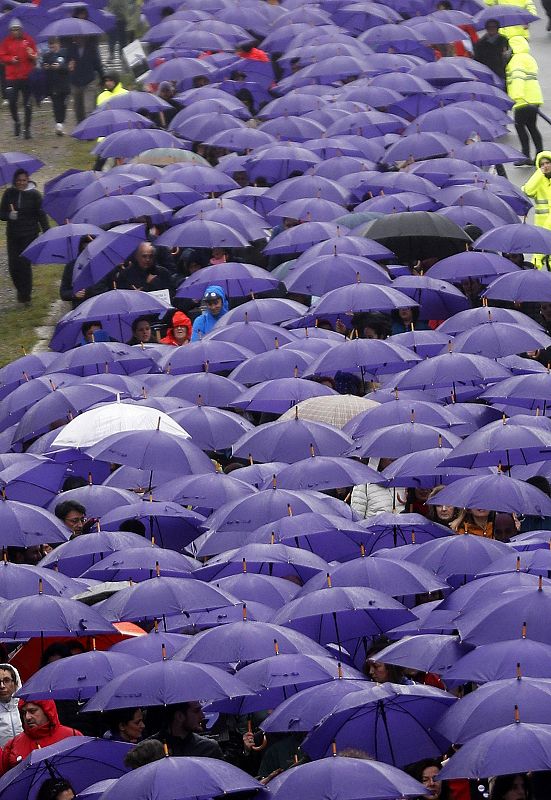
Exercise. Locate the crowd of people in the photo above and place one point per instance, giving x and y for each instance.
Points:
(273, 216)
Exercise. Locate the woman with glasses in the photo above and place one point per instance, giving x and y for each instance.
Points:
(10, 721)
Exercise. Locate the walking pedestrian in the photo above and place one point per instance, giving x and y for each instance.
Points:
(18, 53)
(56, 66)
(538, 187)
(524, 89)
(84, 65)
(21, 208)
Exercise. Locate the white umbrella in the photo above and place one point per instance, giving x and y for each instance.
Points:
(98, 423)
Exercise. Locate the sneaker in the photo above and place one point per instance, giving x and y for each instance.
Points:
(524, 162)
(27, 134)
(17, 129)
(59, 129)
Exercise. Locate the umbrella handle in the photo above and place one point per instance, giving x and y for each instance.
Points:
(263, 744)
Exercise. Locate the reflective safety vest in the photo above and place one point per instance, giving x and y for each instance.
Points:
(538, 187)
(521, 75)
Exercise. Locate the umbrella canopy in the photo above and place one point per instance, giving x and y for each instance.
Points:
(417, 235)
(44, 615)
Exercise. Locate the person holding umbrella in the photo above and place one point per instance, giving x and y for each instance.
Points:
(18, 53)
(21, 208)
(56, 789)
(215, 306)
(58, 88)
(538, 187)
(523, 88)
(492, 49)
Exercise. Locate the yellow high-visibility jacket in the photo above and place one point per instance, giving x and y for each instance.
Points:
(538, 187)
(106, 95)
(515, 30)
(521, 75)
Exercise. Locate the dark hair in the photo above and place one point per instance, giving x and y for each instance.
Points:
(112, 75)
(65, 508)
(58, 649)
(541, 483)
(73, 482)
(395, 673)
(504, 784)
(120, 717)
(52, 788)
(18, 173)
(380, 323)
(133, 526)
(137, 322)
(144, 753)
(416, 770)
(87, 326)
(493, 22)
(172, 710)
(10, 669)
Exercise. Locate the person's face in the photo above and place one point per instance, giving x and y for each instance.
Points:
(143, 331)
(406, 315)
(75, 522)
(492, 29)
(479, 512)
(33, 554)
(109, 84)
(378, 672)
(180, 332)
(132, 730)
(22, 182)
(33, 716)
(54, 47)
(517, 791)
(545, 311)
(194, 718)
(214, 306)
(445, 513)
(370, 333)
(7, 685)
(429, 779)
(89, 335)
(545, 166)
(66, 794)
(145, 257)
(17, 33)
(218, 252)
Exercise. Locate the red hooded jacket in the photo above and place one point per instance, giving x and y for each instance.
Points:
(31, 739)
(179, 318)
(15, 56)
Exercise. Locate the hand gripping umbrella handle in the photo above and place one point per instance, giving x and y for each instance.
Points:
(264, 742)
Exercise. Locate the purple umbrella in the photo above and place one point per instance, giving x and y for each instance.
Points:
(291, 440)
(505, 15)
(349, 300)
(490, 707)
(278, 396)
(61, 244)
(110, 210)
(308, 209)
(470, 264)
(219, 355)
(141, 563)
(106, 121)
(462, 555)
(323, 472)
(336, 614)
(401, 411)
(9, 162)
(427, 652)
(272, 310)
(393, 722)
(324, 273)
(401, 201)
(153, 647)
(271, 559)
(179, 70)
(526, 285)
(476, 316)
(515, 748)
(517, 238)
(212, 428)
(109, 250)
(165, 683)
(75, 556)
(362, 356)
(496, 492)
(423, 469)
(23, 369)
(80, 760)
(106, 185)
(24, 525)
(391, 530)
(344, 779)
(300, 237)
(418, 146)
(152, 450)
(484, 154)
(437, 299)
(102, 357)
(137, 101)
(273, 591)
(256, 336)
(79, 677)
(275, 163)
(244, 642)
(276, 363)
(160, 597)
(451, 370)
(500, 660)
(203, 388)
(70, 26)
(125, 144)
(274, 679)
(202, 233)
(194, 777)
(393, 441)
(170, 193)
(237, 280)
(517, 610)
(45, 615)
(500, 443)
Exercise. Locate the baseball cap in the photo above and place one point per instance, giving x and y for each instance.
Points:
(15, 23)
(209, 296)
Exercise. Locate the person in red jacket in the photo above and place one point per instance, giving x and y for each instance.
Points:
(252, 53)
(18, 53)
(180, 330)
(41, 727)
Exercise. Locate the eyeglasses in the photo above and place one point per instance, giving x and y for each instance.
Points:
(74, 520)
(147, 255)
(5, 681)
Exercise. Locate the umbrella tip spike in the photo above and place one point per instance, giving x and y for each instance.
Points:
(517, 714)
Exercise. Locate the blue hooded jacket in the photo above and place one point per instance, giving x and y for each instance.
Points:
(206, 322)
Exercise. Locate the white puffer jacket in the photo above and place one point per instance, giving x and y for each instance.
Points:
(369, 499)
(10, 721)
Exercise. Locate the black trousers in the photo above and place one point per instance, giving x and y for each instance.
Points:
(526, 122)
(59, 105)
(20, 268)
(13, 90)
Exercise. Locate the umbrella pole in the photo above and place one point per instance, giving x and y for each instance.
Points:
(382, 710)
(339, 645)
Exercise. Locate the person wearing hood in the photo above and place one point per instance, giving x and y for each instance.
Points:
(492, 49)
(524, 89)
(21, 208)
(215, 306)
(41, 727)
(18, 54)
(538, 187)
(112, 86)
(10, 721)
(179, 332)
(369, 499)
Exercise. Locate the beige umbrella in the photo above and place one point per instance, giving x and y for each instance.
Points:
(335, 410)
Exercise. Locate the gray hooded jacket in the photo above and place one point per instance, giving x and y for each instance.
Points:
(10, 721)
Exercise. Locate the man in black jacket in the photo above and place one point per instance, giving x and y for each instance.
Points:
(492, 49)
(84, 64)
(21, 208)
(143, 272)
(182, 735)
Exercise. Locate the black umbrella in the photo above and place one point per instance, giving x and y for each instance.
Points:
(417, 235)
